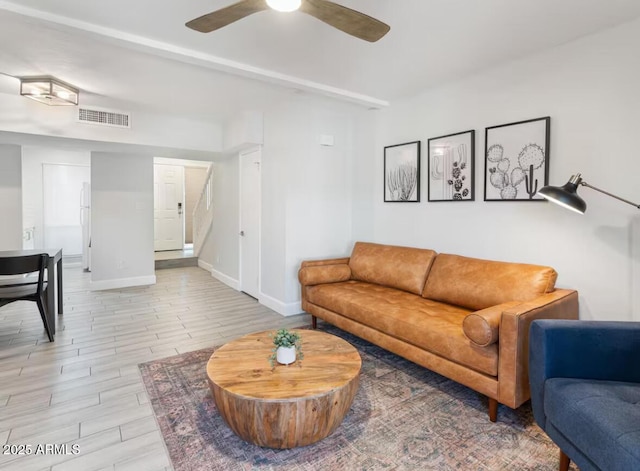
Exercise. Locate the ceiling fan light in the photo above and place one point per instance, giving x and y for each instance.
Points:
(284, 5)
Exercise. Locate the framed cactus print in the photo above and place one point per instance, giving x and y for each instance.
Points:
(402, 173)
(451, 167)
(516, 160)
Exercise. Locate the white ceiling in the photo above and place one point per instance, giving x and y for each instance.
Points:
(140, 55)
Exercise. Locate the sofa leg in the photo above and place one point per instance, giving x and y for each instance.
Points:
(314, 322)
(493, 409)
(564, 462)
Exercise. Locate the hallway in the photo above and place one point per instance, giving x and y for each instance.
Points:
(85, 387)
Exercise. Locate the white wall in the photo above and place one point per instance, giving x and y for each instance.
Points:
(195, 179)
(10, 197)
(306, 194)
(365, 192)
(21, 115)
(121, 220)
(221, 247)
(32, 200)
(243, 130)
(590, 90)
(307, 189)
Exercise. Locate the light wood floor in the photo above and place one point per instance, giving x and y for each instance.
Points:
(85, 388)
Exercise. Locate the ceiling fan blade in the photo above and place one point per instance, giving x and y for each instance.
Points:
(219, 18)
(345, 19)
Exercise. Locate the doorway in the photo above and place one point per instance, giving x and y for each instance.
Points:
(64, 224)
(250, 203)
(168, 197)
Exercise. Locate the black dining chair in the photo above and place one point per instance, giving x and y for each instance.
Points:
(25, 288)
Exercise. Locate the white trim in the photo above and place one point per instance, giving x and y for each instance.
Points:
(285, 309)
(191, 56)
(205, 266)
(182, 162)
(227, 280)
(122, 283)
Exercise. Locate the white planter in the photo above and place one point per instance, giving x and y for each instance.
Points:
(286, 355)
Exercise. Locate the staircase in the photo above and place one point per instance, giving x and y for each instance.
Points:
(203, 214)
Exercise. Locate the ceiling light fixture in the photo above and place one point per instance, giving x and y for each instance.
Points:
(49, 90)
(284, 5)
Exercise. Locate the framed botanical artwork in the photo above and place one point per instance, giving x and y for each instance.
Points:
(402, 173)
(451, 167)
(516, 160)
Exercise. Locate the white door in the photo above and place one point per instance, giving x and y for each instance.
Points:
(250, 222)
(168, 193)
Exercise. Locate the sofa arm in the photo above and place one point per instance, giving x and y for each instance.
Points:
(329, 261)
(483, 327)
(601, 350)
(513, 362)
(319, 274)
(313, 272)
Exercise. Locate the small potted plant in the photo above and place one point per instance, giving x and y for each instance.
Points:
(287, 346)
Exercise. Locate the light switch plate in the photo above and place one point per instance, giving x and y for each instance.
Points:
(326, 140)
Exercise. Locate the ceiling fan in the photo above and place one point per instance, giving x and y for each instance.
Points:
(345, 19)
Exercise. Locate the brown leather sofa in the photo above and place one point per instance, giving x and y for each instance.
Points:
(465, 318)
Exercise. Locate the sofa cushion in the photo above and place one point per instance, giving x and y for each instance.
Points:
(427, 324)
(478, 284)
(482, 327)
(404, 268)
(600, 416)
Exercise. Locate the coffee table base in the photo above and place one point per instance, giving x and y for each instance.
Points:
(284, 406)
(285, 424)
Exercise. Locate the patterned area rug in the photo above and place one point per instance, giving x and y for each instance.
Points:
(404, 417)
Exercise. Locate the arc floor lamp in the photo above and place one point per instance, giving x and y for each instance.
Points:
(567, 194)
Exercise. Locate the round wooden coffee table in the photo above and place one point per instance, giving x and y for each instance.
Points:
(285, 406)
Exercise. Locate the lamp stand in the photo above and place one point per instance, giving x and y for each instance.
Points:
(583, 183)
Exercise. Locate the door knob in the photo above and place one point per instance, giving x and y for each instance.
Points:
(242, 233)
(179, 208)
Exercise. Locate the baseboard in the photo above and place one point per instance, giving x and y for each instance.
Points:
(227, 280)
(122, 283)
(204, 265)
(285, 309)
(71, 264)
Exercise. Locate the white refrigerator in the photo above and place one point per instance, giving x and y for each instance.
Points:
(85, 222)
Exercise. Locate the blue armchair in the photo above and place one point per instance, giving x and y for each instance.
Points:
(585, 391)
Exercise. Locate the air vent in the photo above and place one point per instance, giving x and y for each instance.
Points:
(103, 117)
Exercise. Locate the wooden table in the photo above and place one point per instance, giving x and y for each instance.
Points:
(55, 282)
(285, 406)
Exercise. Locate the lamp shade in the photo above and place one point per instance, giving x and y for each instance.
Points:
(566, 195)
(48, 90)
